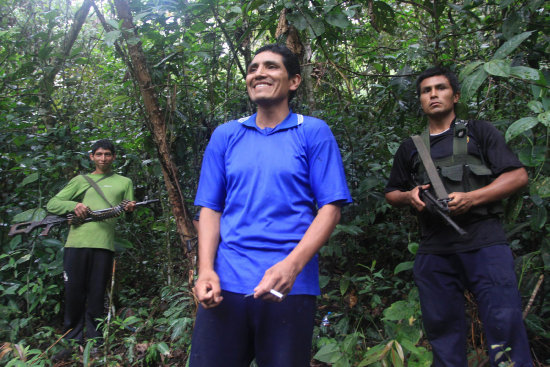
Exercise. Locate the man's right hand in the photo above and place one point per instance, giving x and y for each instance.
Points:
(414, 198)
(207, 289)
(81, 210)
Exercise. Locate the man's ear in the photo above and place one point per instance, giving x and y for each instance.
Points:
(456, 97)
(295, 82)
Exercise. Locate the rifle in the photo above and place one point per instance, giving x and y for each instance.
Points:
(440, 207)
(54, 220)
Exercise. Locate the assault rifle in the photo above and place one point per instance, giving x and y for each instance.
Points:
(54, 220)
(440, 208)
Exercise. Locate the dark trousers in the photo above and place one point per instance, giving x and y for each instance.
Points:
(241, 329)
(86, 274)
(489, 274)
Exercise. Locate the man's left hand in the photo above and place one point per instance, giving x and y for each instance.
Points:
(461, 202)
(130, 207)
(280, 277)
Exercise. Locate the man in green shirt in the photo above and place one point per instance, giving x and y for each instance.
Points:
(89, 250)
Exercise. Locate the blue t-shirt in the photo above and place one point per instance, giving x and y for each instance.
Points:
(268, 184)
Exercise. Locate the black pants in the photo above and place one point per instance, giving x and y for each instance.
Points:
(86, 274)
(489, 274)
(240, 329)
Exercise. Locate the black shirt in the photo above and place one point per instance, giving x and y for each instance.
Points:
(485, 142)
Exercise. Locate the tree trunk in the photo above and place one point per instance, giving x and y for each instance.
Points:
(157, 126)
(47, 82)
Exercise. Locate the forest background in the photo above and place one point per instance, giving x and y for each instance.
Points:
(158, 76)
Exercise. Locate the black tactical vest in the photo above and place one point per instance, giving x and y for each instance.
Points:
(460, 172)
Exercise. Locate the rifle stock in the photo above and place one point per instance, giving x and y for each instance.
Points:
(53, 220)
(440, 208)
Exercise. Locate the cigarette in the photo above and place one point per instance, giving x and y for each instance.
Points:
(276, 294)
(272, 291)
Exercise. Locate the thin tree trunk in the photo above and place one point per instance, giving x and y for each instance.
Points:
(47, 82)
(157, 126)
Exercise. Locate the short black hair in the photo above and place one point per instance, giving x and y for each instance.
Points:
(105, 144)
(435, 71)
(290, 60)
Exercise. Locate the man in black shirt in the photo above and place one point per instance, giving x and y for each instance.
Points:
(481, 261)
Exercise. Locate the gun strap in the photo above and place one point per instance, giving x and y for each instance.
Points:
(435, 180)
(97, 188)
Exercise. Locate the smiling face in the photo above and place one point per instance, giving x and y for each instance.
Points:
(103, 160)
(267, 80)
(437, 97)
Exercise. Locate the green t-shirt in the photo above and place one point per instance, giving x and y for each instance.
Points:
(92, 234)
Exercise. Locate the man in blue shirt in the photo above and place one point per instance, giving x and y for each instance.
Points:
(270, 192)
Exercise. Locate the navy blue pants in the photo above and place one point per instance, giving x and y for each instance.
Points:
(86, 274)
(240, 329)
(489, 274)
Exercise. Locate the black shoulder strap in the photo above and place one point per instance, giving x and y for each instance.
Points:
(97, 188)
(435, 180)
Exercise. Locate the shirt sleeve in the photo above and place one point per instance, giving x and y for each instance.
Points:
(498, 155)
(64, 201)
(211, 191)
(400, 175)
(129, 193)
(327, 177)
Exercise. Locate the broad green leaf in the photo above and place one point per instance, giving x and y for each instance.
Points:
(509, 46)
(344, 283)
(11, 290)
(541, 187)
(536, 106)
(133, 40)
(114, 23)
(86, 353)
(323, 281)
(111, 37)
(520, 126)
(539, 217)
(297, 20)
(253, 5)
(544, 118)
(338, 19)
(236, 9)
(407, 344)
(532, 156)
(413, 247)
(163, 348)
(30, 179)
(513, 207)
(498, 67)
(30, 215)
(120, 99)
(375, 354)
(524, 72)
(52, 242)
(316, 27)
(329, 353)
(468, 69)
(399, 310)
(397, 355)
(472, 83)
(407, 265)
